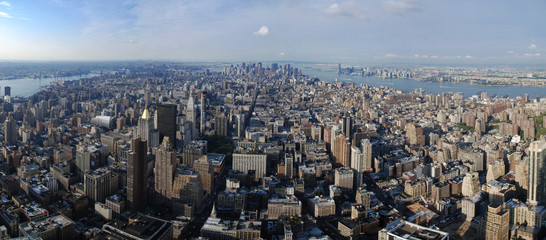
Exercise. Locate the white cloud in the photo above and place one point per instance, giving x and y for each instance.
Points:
(5, 15)
(282, 53)
(468, 56)
(5, 4)
(264, 31)
(347, 9)
(532, 46)
(510, 52)
(391, 55)
(532, 54)
(401, 6)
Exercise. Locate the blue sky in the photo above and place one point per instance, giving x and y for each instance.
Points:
(349, 31)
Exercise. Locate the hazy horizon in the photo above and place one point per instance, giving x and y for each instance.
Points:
(365, 32)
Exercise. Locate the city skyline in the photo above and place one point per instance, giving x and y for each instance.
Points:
(387, 31)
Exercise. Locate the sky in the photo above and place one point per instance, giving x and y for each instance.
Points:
(346, 31)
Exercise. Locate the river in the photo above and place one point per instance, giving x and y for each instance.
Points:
(25, 87)
(329, 73)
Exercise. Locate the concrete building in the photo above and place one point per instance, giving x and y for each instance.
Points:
(191, 116)
(361, 160)
(165, 167)
(245, 162)
(322, 206)
(415, 135)
(187, 189)
(137, 175)
(193, 151)
(524, 214)
(342, 150)
(288, 206)
(139, 227)
(146, 130)
(50, 228)
(344, 179)
(470, 206)
(221, 124)
(496, 224)
(537, 173)
(403, 230)
(100, 183)
(10, 131)
(363, 197)
(471, 184)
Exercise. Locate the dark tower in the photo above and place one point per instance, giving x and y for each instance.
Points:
(347, 125)
(166, 122)
(7, 91)
(137, 174)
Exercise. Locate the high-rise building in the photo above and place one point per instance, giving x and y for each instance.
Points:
(191, 115)
(415, 135)
(166, 122)
(537, 173)
(137, 175)
(344, 179)
(250, 162)
(221, 124)
(363, 197)
(203, 113)
(193, 151)
(289, 165)
(240, 127)
(342, 150)
(7, 91)
(187, 189)
(347, 123)
(146, 130)
(361, 160)
(206, 171)
(10, 131)
(100, 183)
(165, 167)
(357, 162)
(495, 225)
(471, 184)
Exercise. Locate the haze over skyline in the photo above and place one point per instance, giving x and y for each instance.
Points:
(379, 31)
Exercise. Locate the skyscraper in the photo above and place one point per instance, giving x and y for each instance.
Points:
(187, 191)
(10, 131)
(537, 173)
(146, 131)
(240, 125)
(220, 124)
(100, 183)
(165, 167)
(166, 122)
(136, 175)
(361, 160)
(7, 91)
(347, 123)
(203, 113)
(190, 115)
(357, 164)
(342, 151)
(495, 225)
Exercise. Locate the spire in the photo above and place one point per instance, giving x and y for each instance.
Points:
(145, 113)
(213, 212)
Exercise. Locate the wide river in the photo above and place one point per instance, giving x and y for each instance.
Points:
(329, 73)
(25, 87)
